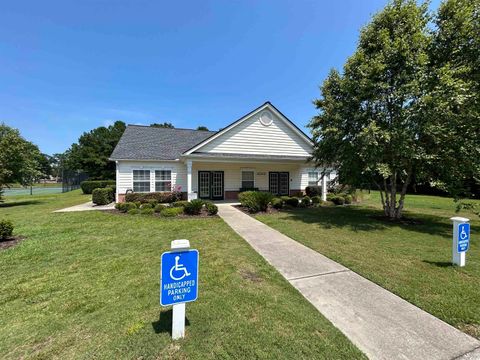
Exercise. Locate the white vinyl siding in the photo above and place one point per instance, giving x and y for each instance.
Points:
(125, 173)
(251, 137)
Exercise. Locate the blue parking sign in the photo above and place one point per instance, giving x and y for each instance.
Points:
(178, 277)
(463, 237)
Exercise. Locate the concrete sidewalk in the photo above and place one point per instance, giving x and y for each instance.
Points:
(379, 323)
(89, 206)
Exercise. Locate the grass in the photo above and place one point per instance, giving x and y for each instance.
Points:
(86, 285)
(413, 259)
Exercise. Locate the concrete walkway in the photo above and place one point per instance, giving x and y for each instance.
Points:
(89, 206)
(379, 323)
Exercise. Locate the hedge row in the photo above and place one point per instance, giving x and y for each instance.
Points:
(161, 197)
(89, 185)
(193, 207)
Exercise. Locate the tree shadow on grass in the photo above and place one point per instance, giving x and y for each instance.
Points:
(20, 203)
(164, 322)
(358, 218)
(442, 264)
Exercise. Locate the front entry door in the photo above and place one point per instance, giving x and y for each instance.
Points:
(279, 182)
(210, 185)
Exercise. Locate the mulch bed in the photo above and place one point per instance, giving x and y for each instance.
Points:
(203, 214)
(10, 242)
(270, 210)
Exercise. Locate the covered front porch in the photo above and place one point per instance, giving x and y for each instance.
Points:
(224, 179)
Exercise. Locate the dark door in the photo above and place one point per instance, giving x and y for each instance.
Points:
(210, 185)
(279, 182)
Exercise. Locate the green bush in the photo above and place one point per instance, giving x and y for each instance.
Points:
(103, 196)
(152, 202)
(316, 200)
(181, 203)
(160, 197)
(171, 211)
(212, 209)
(293, 202)
(124, 207)
(305, 201)
(133, 211)
(338, 200)
(159, 208)
(330, 196)
(348, 199)
(147, 205)
(285, 198)
(147, 211)
(193, 207)
(277, 203)
(89, 185)
(255, 201)
(6, 229)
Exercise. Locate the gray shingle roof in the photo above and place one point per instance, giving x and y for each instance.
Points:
(154, 143)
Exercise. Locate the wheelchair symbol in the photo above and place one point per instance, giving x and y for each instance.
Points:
(178, 267)
(463, 234)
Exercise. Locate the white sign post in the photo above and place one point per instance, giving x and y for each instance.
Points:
(178, 282)
(461, 237)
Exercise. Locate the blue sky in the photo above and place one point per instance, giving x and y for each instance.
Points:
(69, 66)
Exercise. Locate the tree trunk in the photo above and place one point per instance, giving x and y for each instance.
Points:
(391, 207)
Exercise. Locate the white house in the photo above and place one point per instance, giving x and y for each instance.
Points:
(262, 150)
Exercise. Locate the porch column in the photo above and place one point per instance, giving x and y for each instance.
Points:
(324, 187)
(189, 179)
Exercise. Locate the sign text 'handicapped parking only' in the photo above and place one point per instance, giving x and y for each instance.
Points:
(463, 237)
(179, 277)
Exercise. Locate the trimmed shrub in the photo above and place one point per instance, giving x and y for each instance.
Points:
(89, 185)
(124, 207)
(147, 211)
(284, 198)
(255, 201)
(348, 199)
(338, 200)
(313, 190)
(6, 229)
(305, 201)
(193, 207)
(103, 196)
(316, 200)
(330, 196)
(152, 202)
(160, 197)
(159, 208)
(277, 203)
(133, 211)
(212, 209)
(293, 202)
(180, 203)
(147, 206)
(171, 211)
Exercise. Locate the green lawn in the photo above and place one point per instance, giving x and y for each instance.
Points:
(86, 285)
(411, 260)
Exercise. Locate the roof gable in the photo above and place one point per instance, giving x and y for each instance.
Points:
(264, 131)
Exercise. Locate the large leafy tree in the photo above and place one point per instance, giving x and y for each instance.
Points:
(20, 160)
(91, 153)
(165, 124)
(406, 105)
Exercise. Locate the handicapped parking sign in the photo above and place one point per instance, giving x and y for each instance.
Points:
(463, 237)
(179, 277)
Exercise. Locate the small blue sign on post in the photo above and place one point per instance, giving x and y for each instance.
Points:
(179, 277)
(463, 237)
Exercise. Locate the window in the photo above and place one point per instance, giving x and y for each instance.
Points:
(313, 178)
(248, 179)
(163, 180)
(141, 180)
